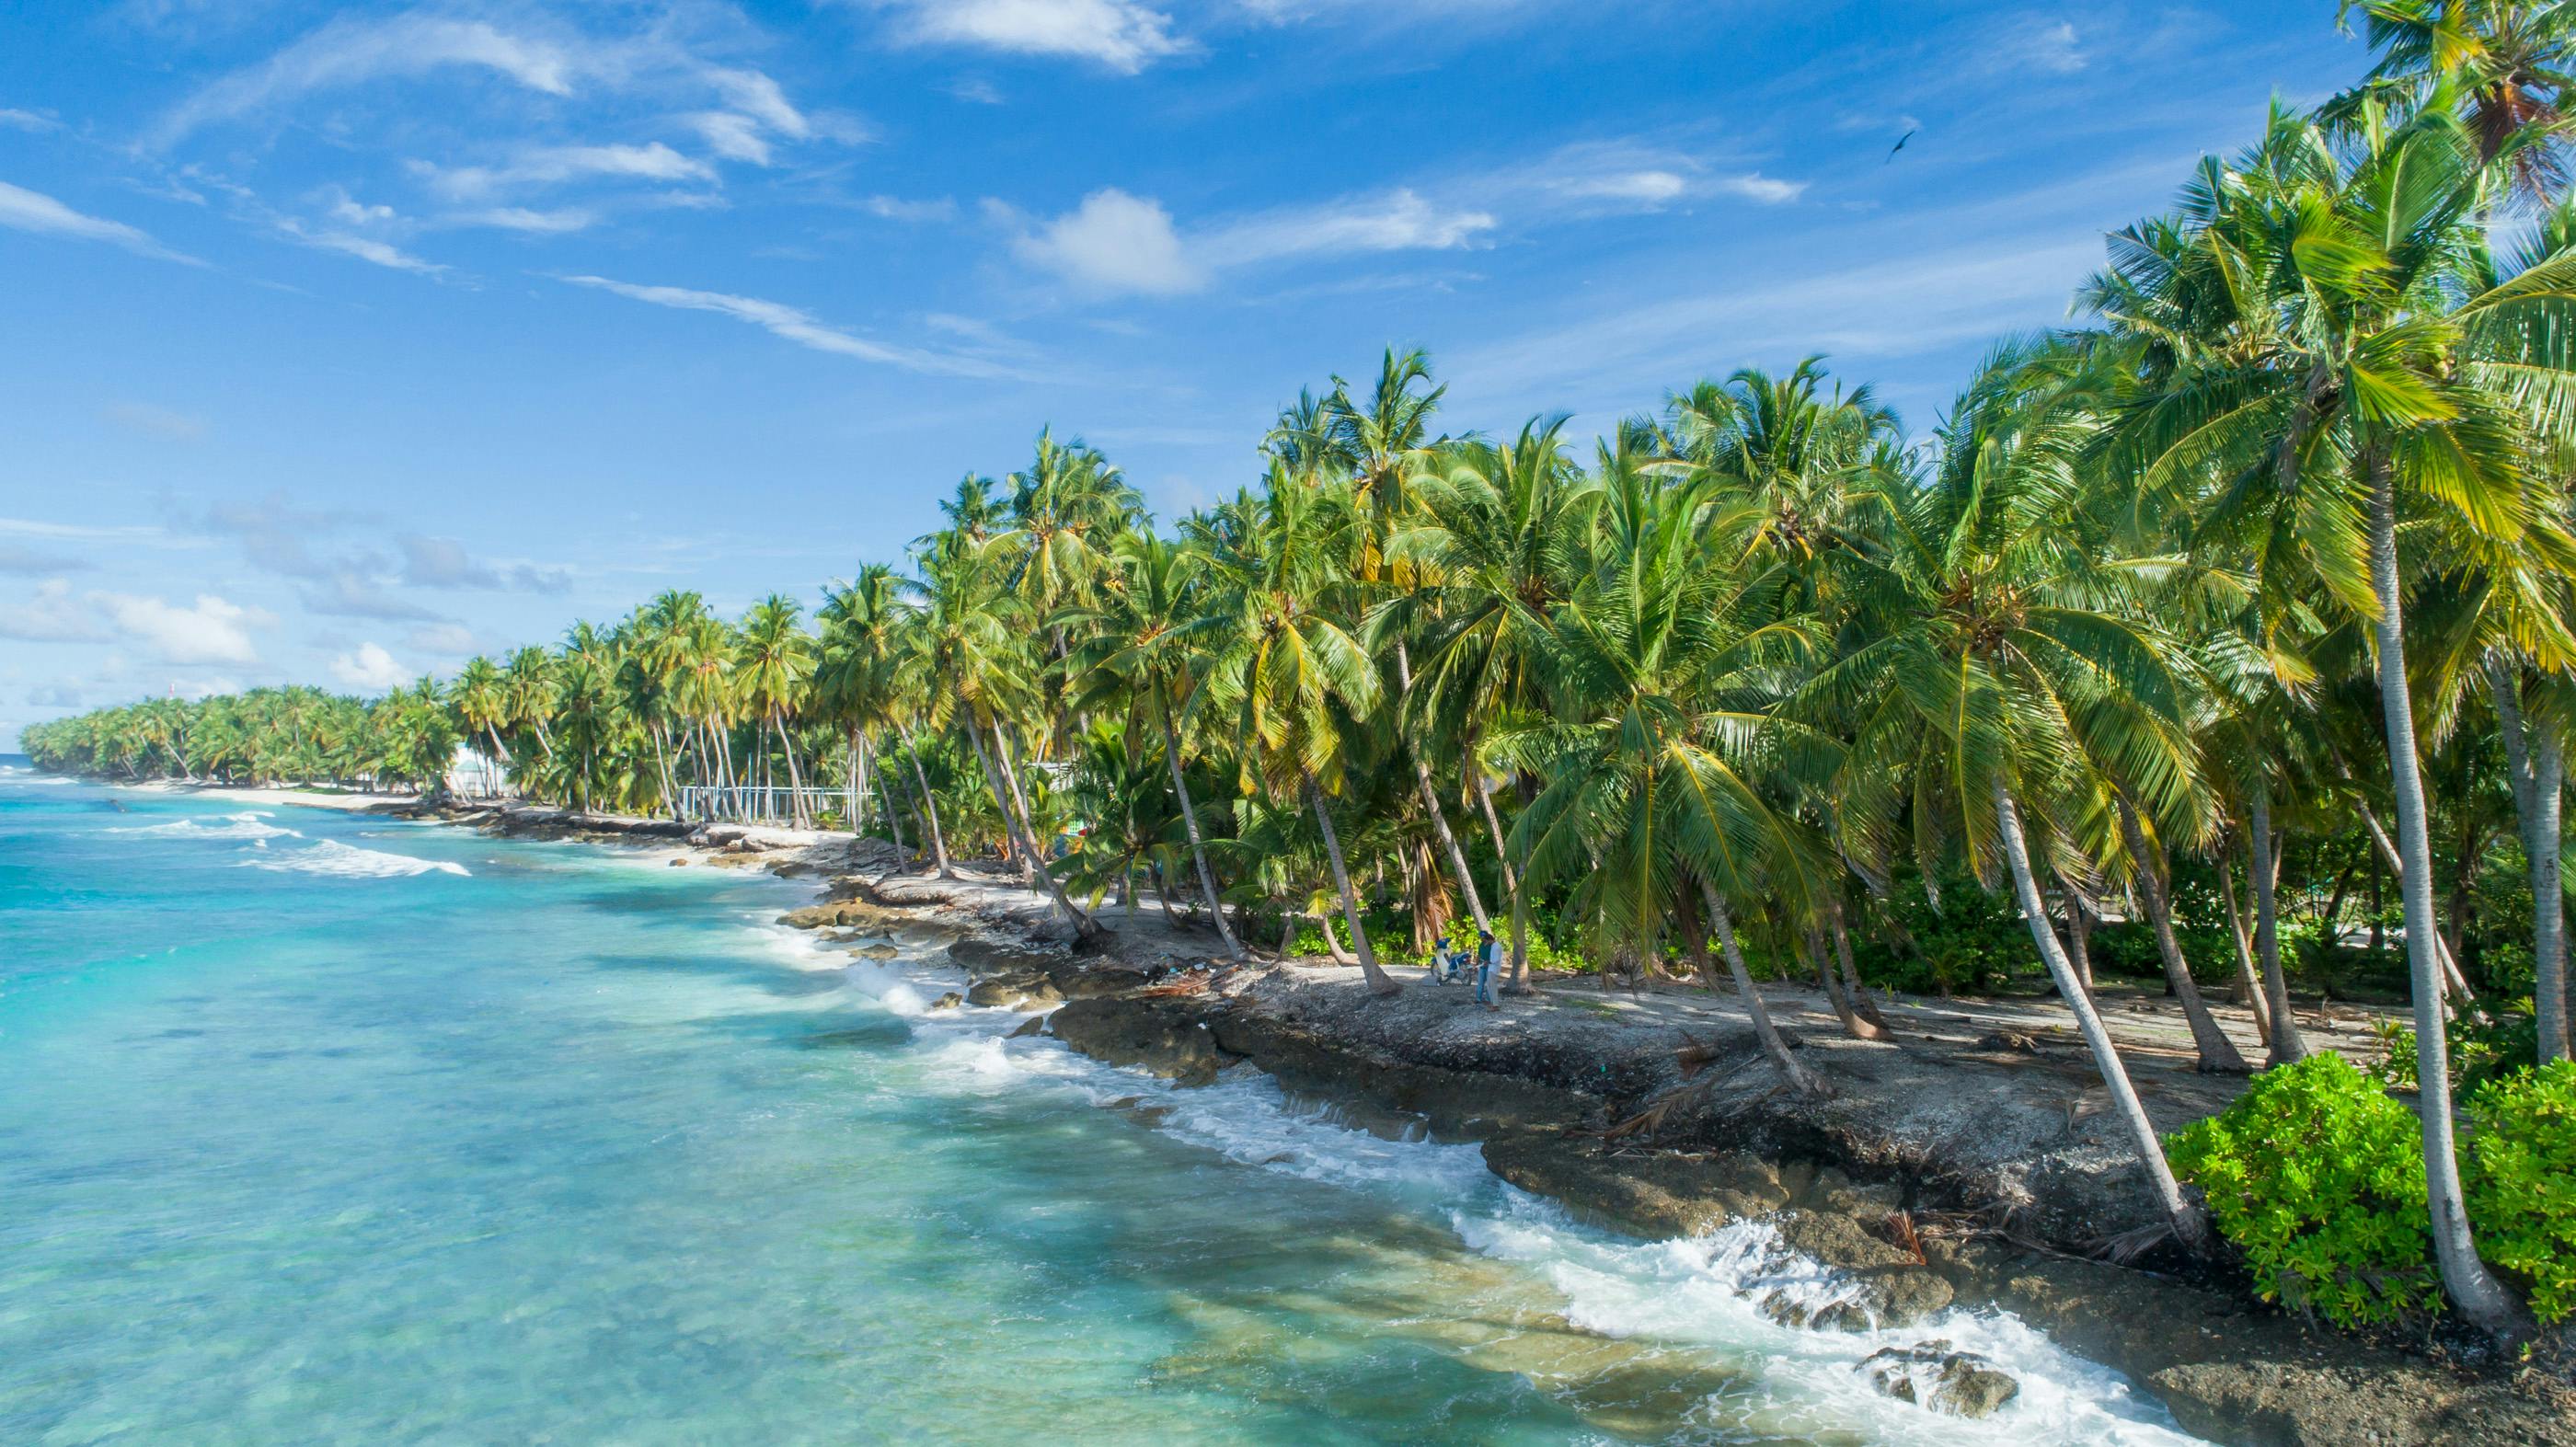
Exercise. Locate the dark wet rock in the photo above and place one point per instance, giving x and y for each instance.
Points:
(1013, 992)
(1155, 1036)
(1889, 1286)
(1931, 1374)
(949, 1001)
(1092, 982)
(979, 958)
(829, 916)
(1029, 1026)
(681, 862)
(881, 950)
(1644, 1193)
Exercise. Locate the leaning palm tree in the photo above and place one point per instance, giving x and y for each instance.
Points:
(482, 702)
(2328, 357)
(1139, 639)
(1285, 662)
(1659, 670)
(2009, 687)
(1497, 531)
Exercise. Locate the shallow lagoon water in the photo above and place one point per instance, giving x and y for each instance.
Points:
(321, 1128)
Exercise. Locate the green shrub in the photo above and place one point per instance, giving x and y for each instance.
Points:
(2318, 1178)
(2484, 1047)
(2520, 1173)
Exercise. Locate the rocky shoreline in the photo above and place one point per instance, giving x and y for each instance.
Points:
(1919, 1198)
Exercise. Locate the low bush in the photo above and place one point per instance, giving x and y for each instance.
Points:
(2318, 1178)
(2519, 1167)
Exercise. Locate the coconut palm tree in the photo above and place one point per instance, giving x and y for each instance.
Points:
(1140, 638)
(775, 661)
(2323, 354)
(1286, 663)
(2011, 688)
(1657, 670)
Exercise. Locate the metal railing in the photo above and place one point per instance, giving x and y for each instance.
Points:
(711, 804)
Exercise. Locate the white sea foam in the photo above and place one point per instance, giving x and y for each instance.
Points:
(1701, 1294)
(245, 825)
(336, 860)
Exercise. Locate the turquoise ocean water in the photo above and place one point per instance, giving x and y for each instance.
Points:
(322, 1128)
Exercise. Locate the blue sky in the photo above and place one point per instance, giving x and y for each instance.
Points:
(343, 342)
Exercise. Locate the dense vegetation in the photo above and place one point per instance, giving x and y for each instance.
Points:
(2224, 638)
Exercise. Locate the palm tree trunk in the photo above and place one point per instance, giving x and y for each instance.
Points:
(2249, 992)
(662, 771)
(2186, 1222)
(1519, 982)
(1190, 821)
(2079, 935)
(2452, 980)
(1332, 942)
(1431, 802)
(2534, 761)
(2218, 1054)
(1798, 1076)
(1860, 999)
(2480, 1297)
(1379, 981)
(929, 807)
(2287, 1044)
(1006, 788)
(795, 781)
(1853, 1025)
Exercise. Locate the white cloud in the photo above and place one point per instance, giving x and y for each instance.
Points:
(350, 52)
(365, 248)
(451, 640)
(210, 631)
(348, 211)
(28, 121)
(157, 421)
(556, 165)
(1754, 186)
(369, 670)
(24, 210)
(2038, 44)
(758, 98)
(1647, 188)
(1119, 34)
(557, 222)
(791, 324)
(52, 616)
(977, 92)
(895, 208)
(734, 136)
(1400, 220)
(1114, 242)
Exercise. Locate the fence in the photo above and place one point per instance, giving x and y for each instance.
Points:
(708, 804)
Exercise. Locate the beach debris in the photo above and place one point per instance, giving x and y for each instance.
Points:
(2007, 1042)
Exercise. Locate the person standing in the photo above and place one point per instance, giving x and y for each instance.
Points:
(1489, 960)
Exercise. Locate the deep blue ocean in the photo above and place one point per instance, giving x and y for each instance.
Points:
(316, 1127)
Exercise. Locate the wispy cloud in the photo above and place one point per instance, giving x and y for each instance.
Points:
(433, 562)
(33, 211)
(1117, 243)
(791, 324)
(352, 52)
(154, 421)
(557, 165)
(18, 120)
(1119, 35)
(2037, 43)
(365, 248)
(29, 562)
(895, 208)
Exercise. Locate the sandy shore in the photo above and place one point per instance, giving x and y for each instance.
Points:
(350, 801)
